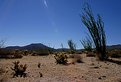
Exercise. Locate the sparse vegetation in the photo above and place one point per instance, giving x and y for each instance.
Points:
(96, 30)
(42, 52)
(49, 70)
(19, 69)
(51, 31)
(61, 58)
(90, 54)
(25, 52)
(115, 53)
(87, 44)
(77, 58)
(17, 53)
(6, 53)
(72, 46)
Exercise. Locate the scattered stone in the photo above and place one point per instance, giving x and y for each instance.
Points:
(106, 67)
(2, 70)
(40, 74)
(96, 67)
(39, 64)
(107, 63)
(102, 77)
(92, 64)
(99, 78)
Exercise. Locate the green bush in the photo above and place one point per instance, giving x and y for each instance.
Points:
(5, 53)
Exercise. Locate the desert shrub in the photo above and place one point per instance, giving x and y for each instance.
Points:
(79, 52)
(115, 53)
(18, 55)
(19, 69)
(77, 58)
(50, 51)
(41, 52)
(61, 58)
(5, 53)
(90, 54)
(25, 52)
(33, 54)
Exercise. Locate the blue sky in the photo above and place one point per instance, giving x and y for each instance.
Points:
(53, 22)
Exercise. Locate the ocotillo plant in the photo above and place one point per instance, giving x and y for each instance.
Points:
(72, 46)
(87, 44)
(96, 30)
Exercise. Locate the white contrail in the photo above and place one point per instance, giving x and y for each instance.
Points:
(45, 3)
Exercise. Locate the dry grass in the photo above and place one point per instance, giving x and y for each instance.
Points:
(76, 58)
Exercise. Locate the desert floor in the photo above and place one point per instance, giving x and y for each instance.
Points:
(90, 70)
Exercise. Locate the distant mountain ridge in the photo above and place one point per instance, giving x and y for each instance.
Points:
(118, 46)
(37, 46)
(33, 46)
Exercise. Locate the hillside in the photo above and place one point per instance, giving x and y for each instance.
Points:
(33, 46)
(37, 46)
(118, 46)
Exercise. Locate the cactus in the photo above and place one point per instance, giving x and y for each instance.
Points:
(19, 69)
(61, 58)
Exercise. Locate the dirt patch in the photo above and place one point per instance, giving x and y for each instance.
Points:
(88, 71)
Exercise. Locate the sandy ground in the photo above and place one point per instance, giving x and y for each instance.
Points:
(88, 71)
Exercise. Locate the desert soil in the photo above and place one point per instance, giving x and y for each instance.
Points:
(90, 70)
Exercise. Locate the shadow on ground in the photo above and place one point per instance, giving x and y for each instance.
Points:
(114, 61)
